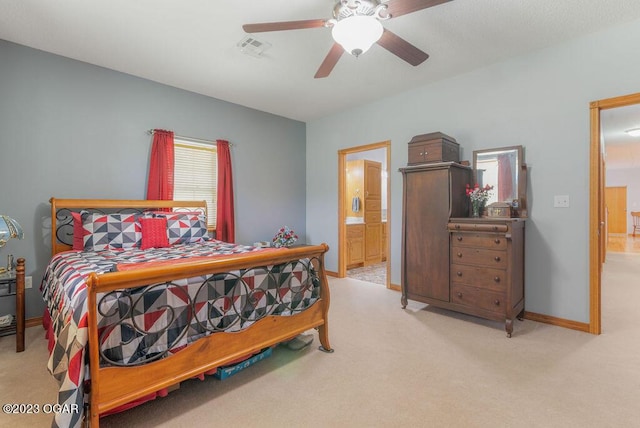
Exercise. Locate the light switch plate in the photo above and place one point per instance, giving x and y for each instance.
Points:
(561, 201)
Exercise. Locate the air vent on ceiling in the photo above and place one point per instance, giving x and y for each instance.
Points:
(251, 46)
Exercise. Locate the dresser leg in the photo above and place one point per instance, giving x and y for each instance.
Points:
(508, 326)
(403, 301)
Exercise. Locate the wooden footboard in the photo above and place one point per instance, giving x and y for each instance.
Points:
(114, 385)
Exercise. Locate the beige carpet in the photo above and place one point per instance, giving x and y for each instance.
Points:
(418, 367)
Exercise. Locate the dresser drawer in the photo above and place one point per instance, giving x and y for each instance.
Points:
(479, 257)
(372, 211)
(477, 227)
(478, 298)
(482, 277)
(484, 240)
(355, 231)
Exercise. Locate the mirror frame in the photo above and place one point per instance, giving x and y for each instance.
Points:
(521, 167)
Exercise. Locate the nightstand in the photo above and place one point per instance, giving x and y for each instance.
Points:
(12, 284)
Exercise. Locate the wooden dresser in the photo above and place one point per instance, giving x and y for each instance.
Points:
(487, 268)
(449, 260)
(432, 193)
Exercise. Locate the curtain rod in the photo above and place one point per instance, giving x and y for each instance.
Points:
(194, 140)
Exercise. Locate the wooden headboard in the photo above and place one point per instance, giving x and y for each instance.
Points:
(62, 221)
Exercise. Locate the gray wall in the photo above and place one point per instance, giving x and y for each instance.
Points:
(541, 101)
(72, 130)
(629, 177)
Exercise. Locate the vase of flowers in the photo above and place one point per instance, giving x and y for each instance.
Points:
(285, 237)
(478, 197)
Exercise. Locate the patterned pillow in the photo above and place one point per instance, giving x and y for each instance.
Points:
(185, 228)
(154, 233)
(110, 231)
(78, 234)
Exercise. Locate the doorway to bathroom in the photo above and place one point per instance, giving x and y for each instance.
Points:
(364, 213)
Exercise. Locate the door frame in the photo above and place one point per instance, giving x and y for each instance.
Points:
(342, 227)
(597, 238)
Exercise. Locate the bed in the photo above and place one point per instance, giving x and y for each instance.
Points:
(128, 318)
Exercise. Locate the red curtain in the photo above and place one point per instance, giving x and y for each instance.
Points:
(225, 228)
(505, 178)
(160, 184)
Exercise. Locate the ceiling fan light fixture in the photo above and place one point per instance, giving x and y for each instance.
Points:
(635, 132)
(356, 34)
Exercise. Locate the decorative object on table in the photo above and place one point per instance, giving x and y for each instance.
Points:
(515, 208)
(499, 210)
(478, 197)
(285, 237)
(6, 320)
(9, 228)
(432, 148)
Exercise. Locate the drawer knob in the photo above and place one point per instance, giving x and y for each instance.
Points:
(497, 241)
(496, 279)
(459, 238)
(496, 302)
(497, 258)
(459, 255)
(457, 226)
(459, 294)
(421, 153)
(459, 273)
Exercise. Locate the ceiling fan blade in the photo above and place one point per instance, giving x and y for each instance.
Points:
(401, 48)
(281, 26)
(330, 61)
(402, 7)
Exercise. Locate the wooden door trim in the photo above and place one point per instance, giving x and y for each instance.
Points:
(596, 206)
(342, 228)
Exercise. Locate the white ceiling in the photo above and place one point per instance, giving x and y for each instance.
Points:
(191, 44)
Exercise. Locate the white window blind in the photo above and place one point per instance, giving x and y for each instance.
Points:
(195, 175)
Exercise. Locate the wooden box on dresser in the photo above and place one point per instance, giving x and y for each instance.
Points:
(487, 268)
(432, 193)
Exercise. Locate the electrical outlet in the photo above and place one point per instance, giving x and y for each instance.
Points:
(561, 201)
(28, 282)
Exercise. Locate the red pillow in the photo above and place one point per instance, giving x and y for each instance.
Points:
(78, 232)
(154, 232)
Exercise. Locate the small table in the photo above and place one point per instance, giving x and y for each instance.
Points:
(10, 286)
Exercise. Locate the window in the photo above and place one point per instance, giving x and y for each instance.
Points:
(195, 175)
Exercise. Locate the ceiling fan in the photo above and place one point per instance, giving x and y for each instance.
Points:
(356, 26)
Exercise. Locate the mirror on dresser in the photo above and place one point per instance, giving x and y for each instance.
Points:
(505, 170)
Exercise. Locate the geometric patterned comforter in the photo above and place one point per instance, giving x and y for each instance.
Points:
(147, 323)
